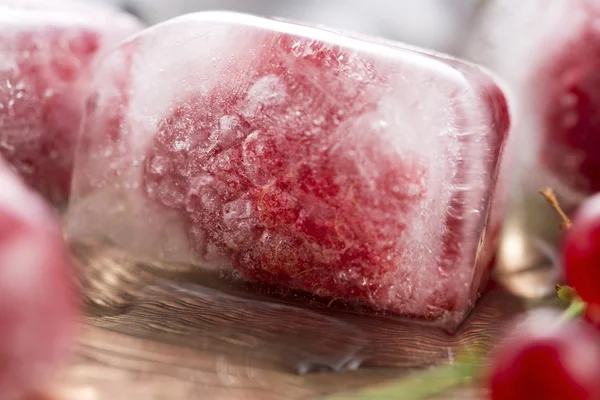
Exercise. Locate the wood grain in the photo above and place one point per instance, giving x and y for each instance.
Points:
(155, 331)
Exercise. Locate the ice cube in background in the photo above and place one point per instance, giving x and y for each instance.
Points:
(437, 24)
(355, 170)
(549, 53)
(37, 297)
(47, 53)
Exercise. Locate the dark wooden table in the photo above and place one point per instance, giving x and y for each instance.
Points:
(152, 332)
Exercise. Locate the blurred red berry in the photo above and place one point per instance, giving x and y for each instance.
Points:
(37, 298)
(581, 251)
(547, 358)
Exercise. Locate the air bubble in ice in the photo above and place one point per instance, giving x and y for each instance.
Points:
(235, 274)
(267, 91)
(349, 363)
(223, 161)
(158, 164)
(228, 132)
(319, 120)
(236, 210)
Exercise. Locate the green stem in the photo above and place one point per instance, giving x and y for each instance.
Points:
(576, 305)
(422, 385)
(575, 309)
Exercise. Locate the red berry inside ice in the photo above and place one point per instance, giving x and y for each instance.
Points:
(47, 59)
(37, 299)
(547, 358)
(275, 184)
(297, 157)
(581, 251)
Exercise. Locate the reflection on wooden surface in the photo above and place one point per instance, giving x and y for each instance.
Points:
(152, 332)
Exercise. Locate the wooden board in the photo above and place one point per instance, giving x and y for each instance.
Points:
(152, 332)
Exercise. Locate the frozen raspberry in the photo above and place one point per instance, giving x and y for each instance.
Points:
(294, 201)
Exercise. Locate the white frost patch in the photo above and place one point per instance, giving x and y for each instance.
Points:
(228, 132)
(267, 91)
(236, 210)
(181, 145)
(227, 123)
(158, 165)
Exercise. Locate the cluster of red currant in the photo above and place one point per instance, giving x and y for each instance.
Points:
(549, 356)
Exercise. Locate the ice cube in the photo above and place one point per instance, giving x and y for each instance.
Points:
(37, 302)
(47, 52)
(353, 169)
(549, 53)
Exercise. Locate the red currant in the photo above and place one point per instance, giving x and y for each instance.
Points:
(547, 358)
(581, 251)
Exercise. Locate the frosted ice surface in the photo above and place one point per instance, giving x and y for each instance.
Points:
(47, 52)
(345, 167)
